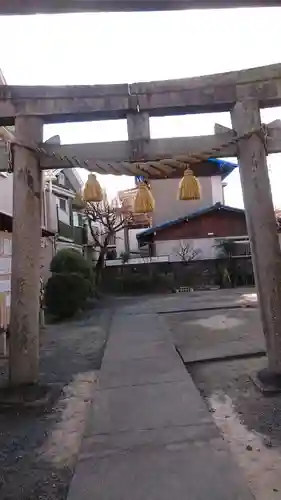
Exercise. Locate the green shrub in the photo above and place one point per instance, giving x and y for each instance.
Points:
(137, 283)
(164, 282)
(69, 260)
(65, 294)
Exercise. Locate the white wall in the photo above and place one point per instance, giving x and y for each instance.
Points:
(6, 203)
(6, 194)
(46, 255)
(217, 189)
(64, 216)
(168, 207)
(171, 248)
(51, 209)
(133, 242)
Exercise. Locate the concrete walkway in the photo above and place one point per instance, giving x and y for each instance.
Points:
(150, 435)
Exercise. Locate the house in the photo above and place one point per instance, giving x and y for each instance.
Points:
(126, 238)
(211, 175)
(6, 214)
(62, 226)
(199, 231)
(64, 209)
(46, 254)
(61, 211)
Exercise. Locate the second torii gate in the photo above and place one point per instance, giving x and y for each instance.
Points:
(241, 92)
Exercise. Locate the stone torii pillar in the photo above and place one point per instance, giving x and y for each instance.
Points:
(139, 136)
(27, 195)
(261, 224)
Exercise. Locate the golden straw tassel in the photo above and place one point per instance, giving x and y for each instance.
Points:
(92, 191)
(144, 201)
(189, 186)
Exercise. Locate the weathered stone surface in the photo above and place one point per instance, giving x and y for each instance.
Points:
(140, 371)
(208, 93)
(196, 469)
(58, 6)
(146, 407)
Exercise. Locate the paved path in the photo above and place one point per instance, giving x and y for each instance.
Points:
(216, 334)
(150, 435)
(190, 301)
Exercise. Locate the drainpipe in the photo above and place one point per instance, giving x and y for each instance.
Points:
(126, 240)
(224, 184)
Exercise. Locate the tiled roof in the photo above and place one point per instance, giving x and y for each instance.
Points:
(202, 211)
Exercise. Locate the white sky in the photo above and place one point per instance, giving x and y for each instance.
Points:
(129, 47)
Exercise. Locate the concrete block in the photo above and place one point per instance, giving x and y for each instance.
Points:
(117, 350)
(141, 371)
(173, 471)
(146, 407)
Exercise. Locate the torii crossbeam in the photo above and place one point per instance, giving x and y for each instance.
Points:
(62, 6)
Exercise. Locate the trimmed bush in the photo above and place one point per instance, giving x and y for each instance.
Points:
(69, 260)
(136, 283)
(65, 294)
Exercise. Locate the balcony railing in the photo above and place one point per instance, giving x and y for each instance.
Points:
(65, 230)
(76, 234)
(80, 236)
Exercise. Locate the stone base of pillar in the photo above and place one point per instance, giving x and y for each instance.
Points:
(267, 382)
(28, 396)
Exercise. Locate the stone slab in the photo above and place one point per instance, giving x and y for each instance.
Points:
(146, 407)
(193, 470)
(203, 335)
(121, 351)
(191, 301)
(101, 445)
(140, 371)
(143, 336)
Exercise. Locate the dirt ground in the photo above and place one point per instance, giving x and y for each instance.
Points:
(249, 421)
(38, 448)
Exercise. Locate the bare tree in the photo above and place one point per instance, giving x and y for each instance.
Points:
(187, 253)
(104, 220)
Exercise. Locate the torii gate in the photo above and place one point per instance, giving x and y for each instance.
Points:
(241, 92)
(56, 6)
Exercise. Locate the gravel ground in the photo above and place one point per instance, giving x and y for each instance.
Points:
(249, 421)
(257, 412)
(38, 448)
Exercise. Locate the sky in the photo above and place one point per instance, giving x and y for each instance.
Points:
(109, 48)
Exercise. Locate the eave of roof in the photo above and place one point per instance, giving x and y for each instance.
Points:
(202, 211)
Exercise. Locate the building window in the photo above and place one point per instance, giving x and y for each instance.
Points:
(61, 179)
(63, 204)
(242, 248)
(78, 219)
(234, 247)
